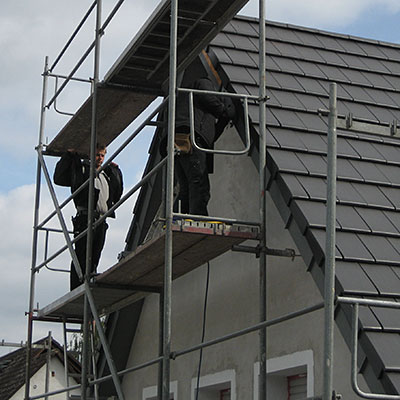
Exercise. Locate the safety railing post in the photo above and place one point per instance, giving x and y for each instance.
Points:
(89, 238)
(262, 204)
(35, 233)
(329, 291)
(169, 200)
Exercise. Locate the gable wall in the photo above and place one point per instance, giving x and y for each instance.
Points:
(56, 382)
(233, 300)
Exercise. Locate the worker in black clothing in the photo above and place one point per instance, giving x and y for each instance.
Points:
(192, 165)
(72, 171)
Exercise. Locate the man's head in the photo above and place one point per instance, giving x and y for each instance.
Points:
(101, 151)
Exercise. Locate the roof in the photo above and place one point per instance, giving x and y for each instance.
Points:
(12, 366)
(301, 63)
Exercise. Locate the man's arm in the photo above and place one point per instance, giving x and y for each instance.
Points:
(63, 171)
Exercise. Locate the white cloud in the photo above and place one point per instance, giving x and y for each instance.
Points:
(16, 212)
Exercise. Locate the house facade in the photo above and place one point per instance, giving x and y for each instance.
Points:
(301, 63)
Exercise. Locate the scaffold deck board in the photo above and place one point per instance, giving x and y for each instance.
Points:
(142, 271)
(142, 70)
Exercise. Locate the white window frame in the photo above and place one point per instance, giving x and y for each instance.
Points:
(298, 359)
(227, 376)
(151, 391)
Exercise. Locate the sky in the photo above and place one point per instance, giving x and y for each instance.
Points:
(31, 30)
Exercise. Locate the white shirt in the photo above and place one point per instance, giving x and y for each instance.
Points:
(101, 184)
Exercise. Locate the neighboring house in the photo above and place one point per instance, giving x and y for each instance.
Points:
(301, 63)
(12, 371)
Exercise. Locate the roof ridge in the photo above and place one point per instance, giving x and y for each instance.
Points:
(321, 32)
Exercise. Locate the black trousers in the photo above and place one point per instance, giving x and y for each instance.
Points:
(194, 184)
(99, 238)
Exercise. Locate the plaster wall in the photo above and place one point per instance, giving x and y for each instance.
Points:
(233, 300)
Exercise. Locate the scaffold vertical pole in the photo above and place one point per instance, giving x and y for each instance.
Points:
(89, 238)
(263, 206)
(35, 231)
(329, 291)
(169, 200)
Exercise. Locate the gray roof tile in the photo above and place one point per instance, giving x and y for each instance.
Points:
(352, 47)
(369, 172)
(391, 172)
(393, 196)
(373, 195)
(332, 57)
(287, 161)
(310, 102)
(313, 142)
(350, 219)
(314, 187)
(376, 80)
(391, 52)
(333, 73)
(377, 221)
(389, 318)
(352, 247)
(345, 148)
(380, 248)
(288, 118)
(284, 98)
(313, 122)
(312, 86)
(287, 138)
(384, 278)
(347, 193)
(291, 187)
(345, 170)
(353, 279)
(316, 165)
(356, 77)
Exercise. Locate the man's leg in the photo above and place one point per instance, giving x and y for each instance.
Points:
(99, 239)
(183, 197)
(79, 223)
(199, 184)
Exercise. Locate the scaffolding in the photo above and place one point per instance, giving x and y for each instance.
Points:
(128, 97)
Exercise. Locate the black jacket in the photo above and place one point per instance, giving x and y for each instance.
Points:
(72, 171)
(207, 108)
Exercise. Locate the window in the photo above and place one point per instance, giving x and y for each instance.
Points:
(150, 393)
(219, 386)
(289, 377)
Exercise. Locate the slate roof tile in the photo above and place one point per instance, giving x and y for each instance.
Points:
(377, 80)
(387, 349)
(311, 86)
(313, 142)
(373, 195)
(377, 220)
(314, 187)
(380, 248)
(353, 279)
(350, 219)
(369, 172)
(393, 196)
(384, 278)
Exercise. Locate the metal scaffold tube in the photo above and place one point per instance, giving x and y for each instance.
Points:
(35, 232)
(169, 202)
(329, 291)
(262, 204)
(89, 238)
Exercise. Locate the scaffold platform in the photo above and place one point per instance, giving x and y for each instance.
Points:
(142, 271)
(141, 72)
